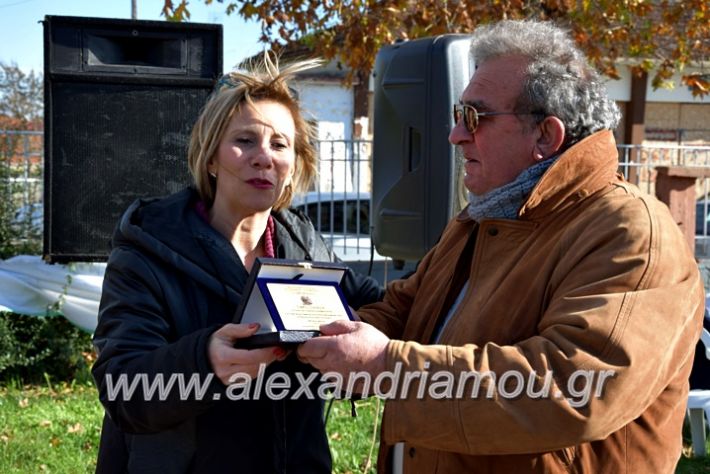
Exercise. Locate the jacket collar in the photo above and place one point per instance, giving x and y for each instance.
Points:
(583, 169)
(292, 235)
(170, 230)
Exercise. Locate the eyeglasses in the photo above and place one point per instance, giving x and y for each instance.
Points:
(470, 115)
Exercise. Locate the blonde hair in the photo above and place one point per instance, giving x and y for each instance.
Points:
(261, 79)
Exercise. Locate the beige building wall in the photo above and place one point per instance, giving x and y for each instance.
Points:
(678, 122)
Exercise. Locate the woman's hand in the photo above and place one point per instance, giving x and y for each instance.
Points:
(227, 361)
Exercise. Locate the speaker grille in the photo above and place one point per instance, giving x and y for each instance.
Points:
(130, 142)
(117, 128)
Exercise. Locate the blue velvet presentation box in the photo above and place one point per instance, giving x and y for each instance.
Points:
(290, 299)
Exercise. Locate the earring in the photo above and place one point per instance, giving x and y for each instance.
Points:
(213, 174)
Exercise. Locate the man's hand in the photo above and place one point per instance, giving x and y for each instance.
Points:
(345, 347)
(227, 361)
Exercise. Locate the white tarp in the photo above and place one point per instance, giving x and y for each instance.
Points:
(28, 285)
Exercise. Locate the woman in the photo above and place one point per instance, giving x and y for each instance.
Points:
(174, 279)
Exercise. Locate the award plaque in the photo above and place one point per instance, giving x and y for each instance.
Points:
(290, 300)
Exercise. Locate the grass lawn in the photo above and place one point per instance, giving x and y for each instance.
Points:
(693, 466)
(46, 429)
(56, 430)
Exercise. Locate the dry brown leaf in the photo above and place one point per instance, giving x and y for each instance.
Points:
(76, 428)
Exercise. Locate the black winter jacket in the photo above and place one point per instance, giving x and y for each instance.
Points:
(171, 281)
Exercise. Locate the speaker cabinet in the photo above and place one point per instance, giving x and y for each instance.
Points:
(417, 178)
(121, 97)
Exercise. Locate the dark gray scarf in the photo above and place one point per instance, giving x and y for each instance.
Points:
(505, 201)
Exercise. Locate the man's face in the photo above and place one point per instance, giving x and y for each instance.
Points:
(503, 145)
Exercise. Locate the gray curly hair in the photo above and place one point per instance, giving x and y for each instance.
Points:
(560, 82)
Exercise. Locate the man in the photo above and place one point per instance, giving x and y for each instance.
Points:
(565, 299)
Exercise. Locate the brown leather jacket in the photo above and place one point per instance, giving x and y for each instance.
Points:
(594, 276)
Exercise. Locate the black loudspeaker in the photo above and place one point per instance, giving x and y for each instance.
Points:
(121, 97)
(417, 180)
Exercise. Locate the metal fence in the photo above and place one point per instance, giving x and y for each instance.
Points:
(21, 165)
(21, 189)
(638, 163)
(344, 166)
(339, 201)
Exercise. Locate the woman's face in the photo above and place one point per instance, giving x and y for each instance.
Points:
(255, 159)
